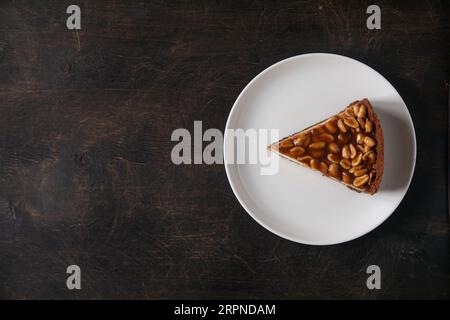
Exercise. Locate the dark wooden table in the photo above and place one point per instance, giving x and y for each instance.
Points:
(85, 171)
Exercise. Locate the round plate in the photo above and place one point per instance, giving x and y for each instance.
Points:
(297, 203)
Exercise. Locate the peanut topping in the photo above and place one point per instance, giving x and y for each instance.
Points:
(317, 145)
(297, 151)
(333, 147)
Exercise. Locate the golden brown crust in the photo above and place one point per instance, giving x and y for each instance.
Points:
(379, 165)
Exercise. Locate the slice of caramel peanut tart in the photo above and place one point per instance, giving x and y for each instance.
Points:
(347, 147)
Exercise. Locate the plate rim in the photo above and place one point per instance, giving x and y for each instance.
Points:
(228, 165)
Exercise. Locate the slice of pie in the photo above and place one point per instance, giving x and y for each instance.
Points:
(347, 147)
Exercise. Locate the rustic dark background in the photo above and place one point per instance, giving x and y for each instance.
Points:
(85, 171)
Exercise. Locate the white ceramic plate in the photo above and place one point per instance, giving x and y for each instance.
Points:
(297, 203)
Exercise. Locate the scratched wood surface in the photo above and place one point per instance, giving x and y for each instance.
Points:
(86, 177)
